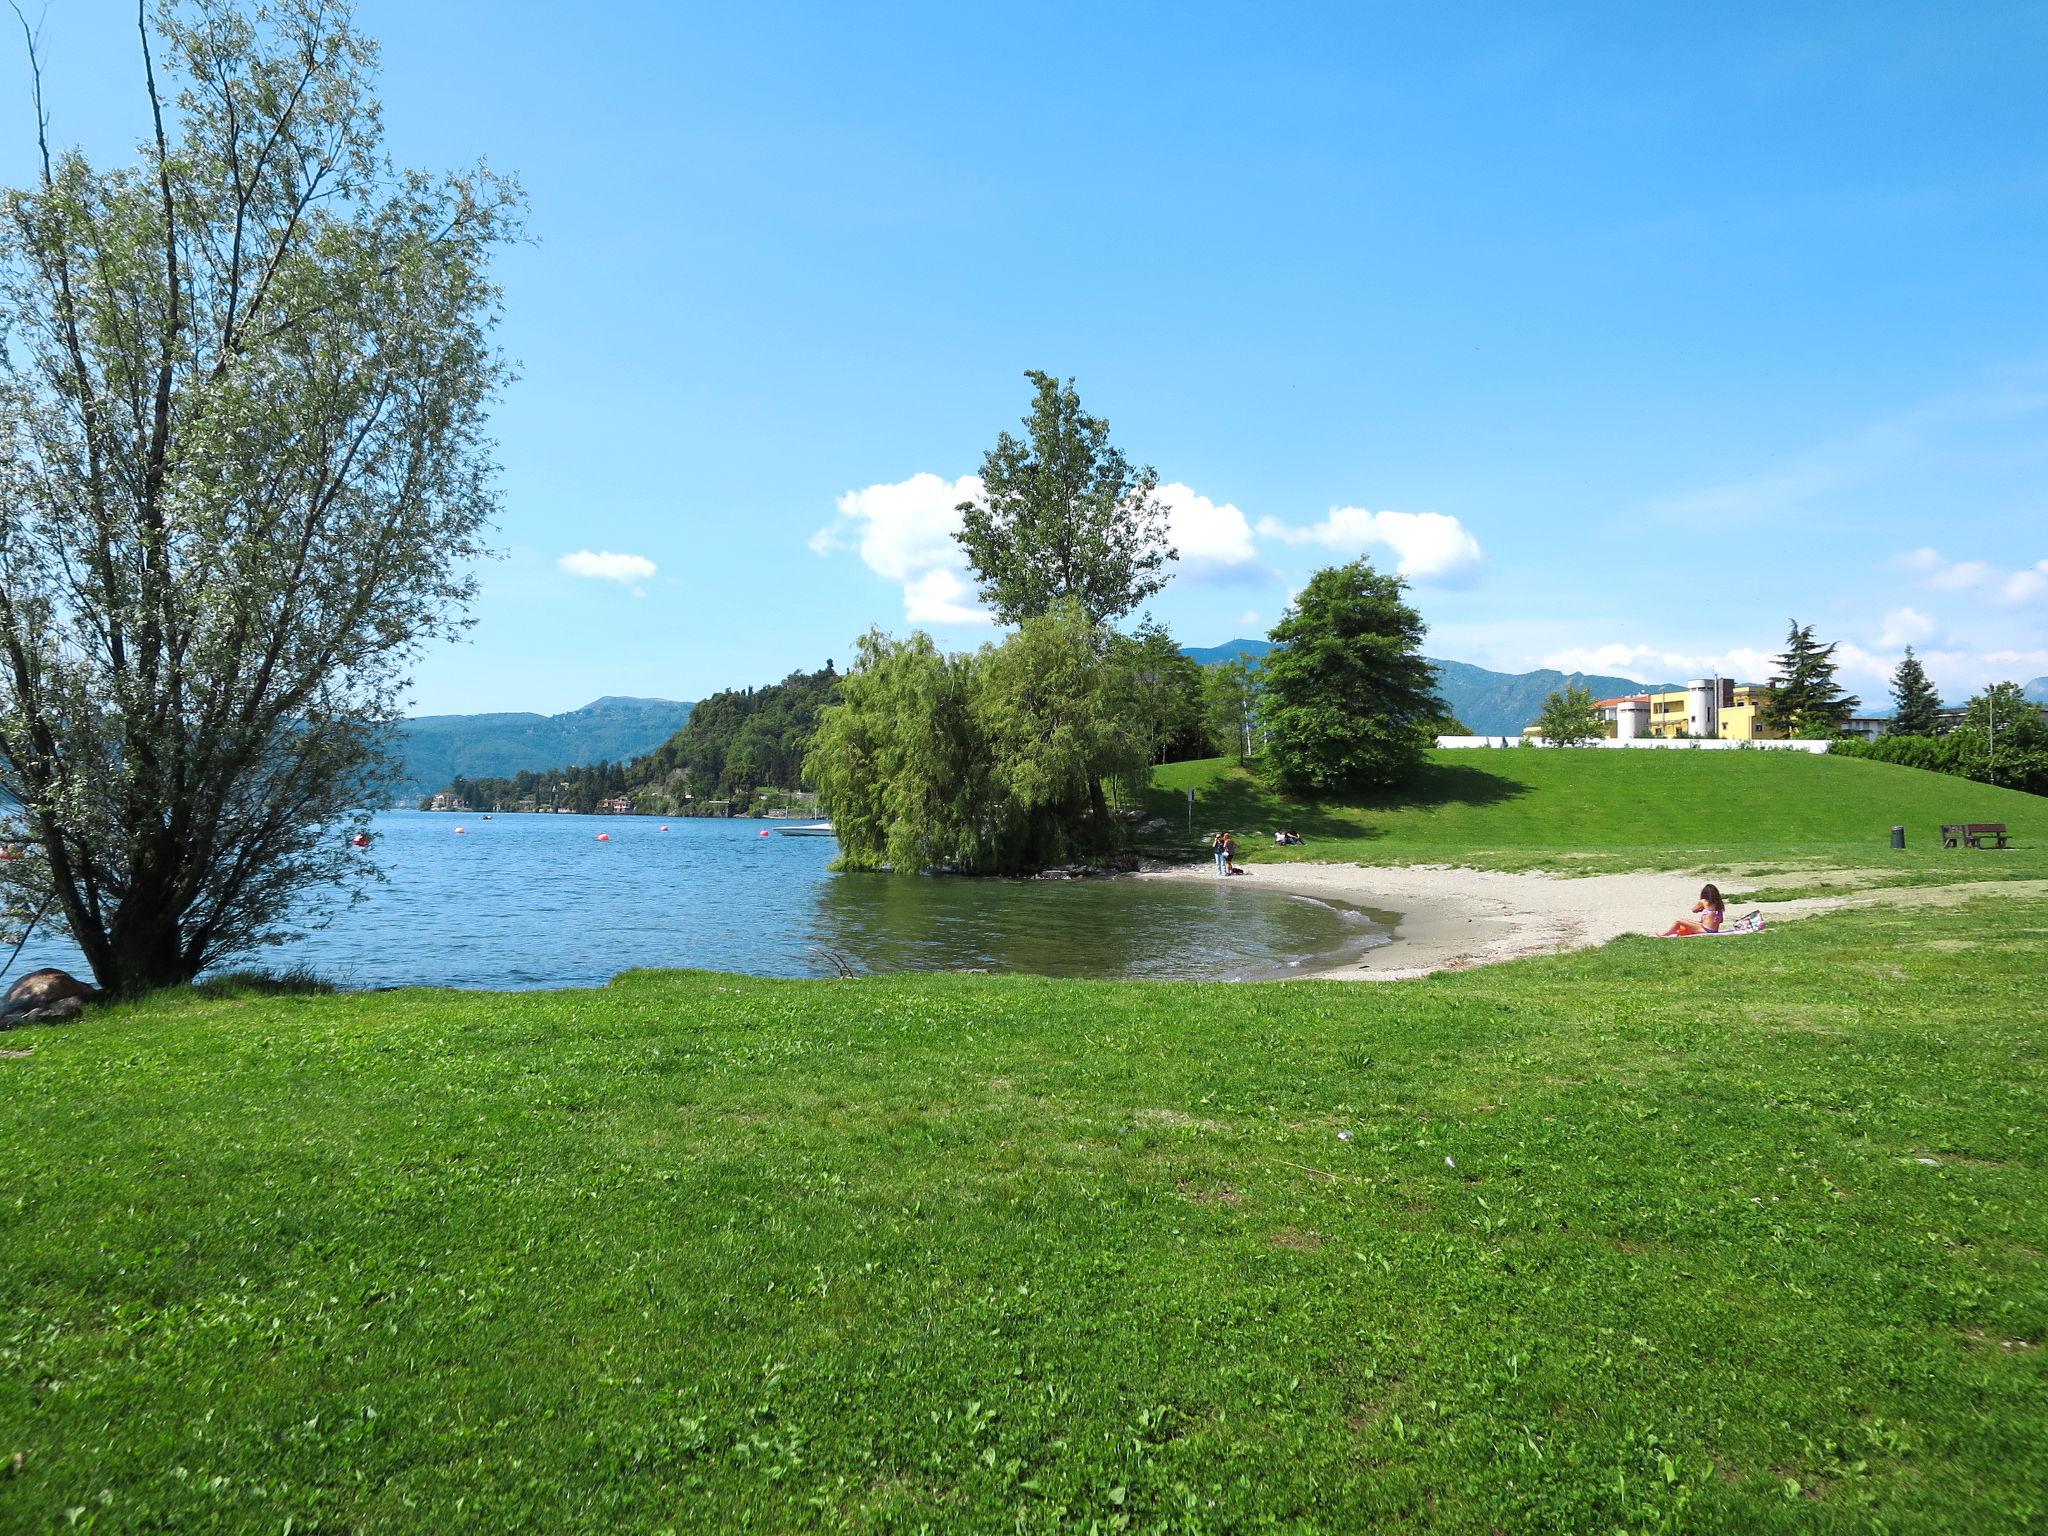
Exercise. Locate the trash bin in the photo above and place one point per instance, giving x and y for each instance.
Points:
(1898, 837)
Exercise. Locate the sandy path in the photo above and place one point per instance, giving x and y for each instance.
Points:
(1453, 919)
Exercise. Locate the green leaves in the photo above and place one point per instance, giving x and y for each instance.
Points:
(1064, 518)
(1569, 718)
(1348, 698)
(987, 763)
(1804, 699)
(244, 476)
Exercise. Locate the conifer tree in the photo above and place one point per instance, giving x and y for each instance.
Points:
(1919, 706)
(1805, 699)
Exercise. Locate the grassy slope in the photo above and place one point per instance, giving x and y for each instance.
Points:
(1740, 1237)
(1605, 810)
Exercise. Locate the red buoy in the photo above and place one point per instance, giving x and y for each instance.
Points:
(764, 831)
(664, 829)
(460, 830)
(604, 837)
(361, 840)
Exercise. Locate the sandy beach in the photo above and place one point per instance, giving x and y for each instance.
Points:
(1453, 918)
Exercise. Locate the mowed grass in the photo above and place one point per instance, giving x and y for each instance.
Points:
(1739, 1236)
(1592, 810)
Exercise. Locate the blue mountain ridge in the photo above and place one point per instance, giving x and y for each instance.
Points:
(1488, 703)
(434, 749)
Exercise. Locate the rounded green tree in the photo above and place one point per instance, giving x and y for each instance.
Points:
(1348, 701)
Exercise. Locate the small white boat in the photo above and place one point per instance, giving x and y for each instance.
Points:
(808, 829)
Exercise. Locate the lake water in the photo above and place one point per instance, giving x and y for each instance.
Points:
(537, 901)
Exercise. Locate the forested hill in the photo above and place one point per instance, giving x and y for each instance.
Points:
(435, 750)
(1487, 703)
(737, 745)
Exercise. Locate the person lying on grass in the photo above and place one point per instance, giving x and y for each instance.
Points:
(1711, 910)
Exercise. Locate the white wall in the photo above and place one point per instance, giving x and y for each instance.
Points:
(1661, 743)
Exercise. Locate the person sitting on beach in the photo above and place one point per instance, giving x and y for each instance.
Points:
(1711, 909)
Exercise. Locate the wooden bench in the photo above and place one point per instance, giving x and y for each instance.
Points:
(1972, 834)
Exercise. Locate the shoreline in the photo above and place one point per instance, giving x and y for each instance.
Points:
(1455, 919)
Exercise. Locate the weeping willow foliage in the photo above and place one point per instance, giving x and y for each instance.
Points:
(980, 763)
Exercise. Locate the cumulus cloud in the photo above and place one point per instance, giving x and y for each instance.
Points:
(606, 566)
(904, 533)
(1430, 546)
(1212, 539)
(1651, 663)
(1905, 626)
(2012, 588)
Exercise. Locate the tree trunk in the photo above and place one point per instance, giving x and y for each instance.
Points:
(1098, 807)
(145, 949)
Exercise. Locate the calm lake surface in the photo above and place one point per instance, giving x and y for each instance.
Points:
(537, 901)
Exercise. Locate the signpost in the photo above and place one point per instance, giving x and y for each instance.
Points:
(1191, 810)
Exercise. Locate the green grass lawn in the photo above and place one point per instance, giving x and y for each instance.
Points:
(1742, 1236)
(1602, 810)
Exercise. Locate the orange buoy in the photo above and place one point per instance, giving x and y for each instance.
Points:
(604, 837)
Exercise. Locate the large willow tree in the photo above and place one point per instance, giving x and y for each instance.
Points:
(984, 763)
(243, 473)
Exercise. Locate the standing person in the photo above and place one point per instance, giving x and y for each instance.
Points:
(1230, 854)
(1219, 853)
(1711, 909)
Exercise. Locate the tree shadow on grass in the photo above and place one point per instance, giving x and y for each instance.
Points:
(1244, 800)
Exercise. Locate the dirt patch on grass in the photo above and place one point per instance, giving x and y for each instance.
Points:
(1218, 1194)
(1296, 1240)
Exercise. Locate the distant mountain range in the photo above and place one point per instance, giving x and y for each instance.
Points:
(434, 749)
(1489, 703)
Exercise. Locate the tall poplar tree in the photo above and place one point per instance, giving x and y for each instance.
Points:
(1918, 710)
(1805, 700)
(1064, 516)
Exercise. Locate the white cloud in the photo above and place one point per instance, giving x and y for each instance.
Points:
(904, 533)
(1249, 619)
(1867, 673)
(941, 596)
(1905, 626)
(606, 566)
(1654, 664)
(1431, 546)
(1211, 539)
(2011, 588)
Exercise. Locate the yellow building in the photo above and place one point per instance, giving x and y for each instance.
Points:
(1707, 707)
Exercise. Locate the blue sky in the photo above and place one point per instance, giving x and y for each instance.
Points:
(1628, 331)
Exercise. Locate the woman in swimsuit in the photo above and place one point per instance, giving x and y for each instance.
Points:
(1711, 910)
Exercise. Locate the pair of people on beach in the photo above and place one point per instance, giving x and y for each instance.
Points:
(1224, 847)
(1287, 837)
